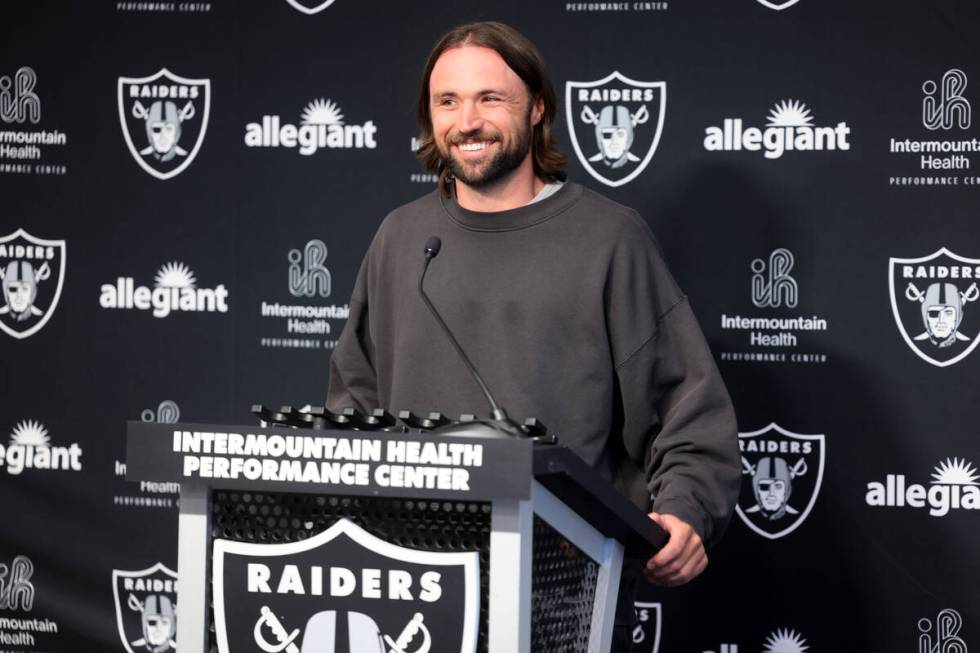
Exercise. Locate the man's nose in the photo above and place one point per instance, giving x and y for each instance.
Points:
(470, 118)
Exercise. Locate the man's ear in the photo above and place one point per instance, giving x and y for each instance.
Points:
(537, 111)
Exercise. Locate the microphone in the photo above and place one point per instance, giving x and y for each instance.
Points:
(500, 422)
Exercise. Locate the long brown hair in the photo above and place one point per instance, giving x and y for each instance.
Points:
(525, 60)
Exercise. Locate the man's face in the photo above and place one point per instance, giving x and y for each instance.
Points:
(158, 629)
(615, 142)
(164, 136)
(482, 115)
(772, 494)
(19, 295)
(941, 320)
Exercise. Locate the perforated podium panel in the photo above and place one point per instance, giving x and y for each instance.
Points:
(563, 584)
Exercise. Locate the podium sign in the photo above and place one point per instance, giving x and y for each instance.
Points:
(418, 465)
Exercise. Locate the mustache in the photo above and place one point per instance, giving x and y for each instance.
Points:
(456, 139)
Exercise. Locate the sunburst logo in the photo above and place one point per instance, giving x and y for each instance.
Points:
(175, 275)
(30, 433)
(322, 112)
(175, 289)
(789, 127)
(955, 471)
(790, 113)
(785, 640)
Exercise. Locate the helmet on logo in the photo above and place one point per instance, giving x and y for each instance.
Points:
(614, 134)
(942, 312)
(163, 129)
(159, 623)
(772, 485)
(20, 288)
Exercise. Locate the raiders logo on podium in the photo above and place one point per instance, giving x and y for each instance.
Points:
(344, 591)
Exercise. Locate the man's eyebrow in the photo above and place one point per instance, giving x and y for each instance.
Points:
(485, 91)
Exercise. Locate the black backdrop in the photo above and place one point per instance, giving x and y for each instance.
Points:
(845, 575)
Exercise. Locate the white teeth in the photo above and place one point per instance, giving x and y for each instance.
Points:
(473, 147)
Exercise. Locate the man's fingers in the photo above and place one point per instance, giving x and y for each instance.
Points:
(688, 571)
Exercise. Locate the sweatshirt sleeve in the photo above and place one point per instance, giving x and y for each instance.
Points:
(353, 381)
(678, 424)
(679, 420)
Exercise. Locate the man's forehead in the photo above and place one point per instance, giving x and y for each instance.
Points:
(471, 68)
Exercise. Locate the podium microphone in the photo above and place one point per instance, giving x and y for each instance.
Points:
(500, 423)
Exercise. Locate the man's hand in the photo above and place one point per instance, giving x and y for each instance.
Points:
(681, 559)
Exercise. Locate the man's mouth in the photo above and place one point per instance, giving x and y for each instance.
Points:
(474, 148)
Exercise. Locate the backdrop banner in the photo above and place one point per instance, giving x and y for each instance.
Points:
(188, 189)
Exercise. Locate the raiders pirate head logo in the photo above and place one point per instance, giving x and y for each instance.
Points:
(344, 590)
(310, 7)
(646, 632)
(146, 609)
(32, 273)
(615, 125)
(930, 300)
(164, 118)
(781, 476)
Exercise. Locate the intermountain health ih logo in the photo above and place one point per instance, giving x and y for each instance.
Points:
(146, 608)
(930, 298)
(615, 125)
(32, 271)
(344, 590)
(945, 107)
(782, 472)
(164, 118)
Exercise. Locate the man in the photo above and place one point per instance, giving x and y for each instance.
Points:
(559, 295)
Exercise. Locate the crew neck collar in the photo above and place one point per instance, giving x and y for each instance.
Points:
(518, 218)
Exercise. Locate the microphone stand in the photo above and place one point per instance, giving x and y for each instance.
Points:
(499, 425)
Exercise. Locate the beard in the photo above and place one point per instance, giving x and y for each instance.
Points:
(487, 172)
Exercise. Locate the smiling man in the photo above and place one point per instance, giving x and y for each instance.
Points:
(560, 296)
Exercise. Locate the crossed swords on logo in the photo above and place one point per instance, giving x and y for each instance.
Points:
(914, 294)
(142, 113)
(590, 117)
(285, 639)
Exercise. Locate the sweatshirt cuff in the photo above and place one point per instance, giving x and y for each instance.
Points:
(683, 509)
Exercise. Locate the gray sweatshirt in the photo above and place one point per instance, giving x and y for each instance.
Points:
(569, 312)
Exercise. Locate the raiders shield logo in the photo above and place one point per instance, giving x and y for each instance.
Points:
(778, 6)
(32, 271)
(615, 125)
(930, 297)
(310, 7)
(344, 591)
(781, 476)
(164, 118)
(146, 609)
(646, 632)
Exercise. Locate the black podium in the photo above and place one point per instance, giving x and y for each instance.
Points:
(316, 541)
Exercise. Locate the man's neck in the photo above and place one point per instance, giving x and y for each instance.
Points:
(514, 190)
